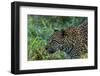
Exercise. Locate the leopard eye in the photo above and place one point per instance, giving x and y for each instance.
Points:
(54, 41)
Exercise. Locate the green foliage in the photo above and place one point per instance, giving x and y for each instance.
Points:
(40, 29)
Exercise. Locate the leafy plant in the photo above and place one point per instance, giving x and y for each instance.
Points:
(40, 29)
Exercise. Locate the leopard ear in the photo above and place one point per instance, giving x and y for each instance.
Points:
(63, 32)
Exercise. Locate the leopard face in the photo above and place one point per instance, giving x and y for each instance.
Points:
(55, 43)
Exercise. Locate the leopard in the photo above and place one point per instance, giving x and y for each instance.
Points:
(71, 40)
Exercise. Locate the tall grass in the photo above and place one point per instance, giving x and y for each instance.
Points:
(40, 29)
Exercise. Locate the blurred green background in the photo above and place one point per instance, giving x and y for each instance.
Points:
(40, 28)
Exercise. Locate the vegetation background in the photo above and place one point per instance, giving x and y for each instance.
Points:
(40, 28)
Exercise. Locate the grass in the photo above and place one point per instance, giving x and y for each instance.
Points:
(40, 29)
